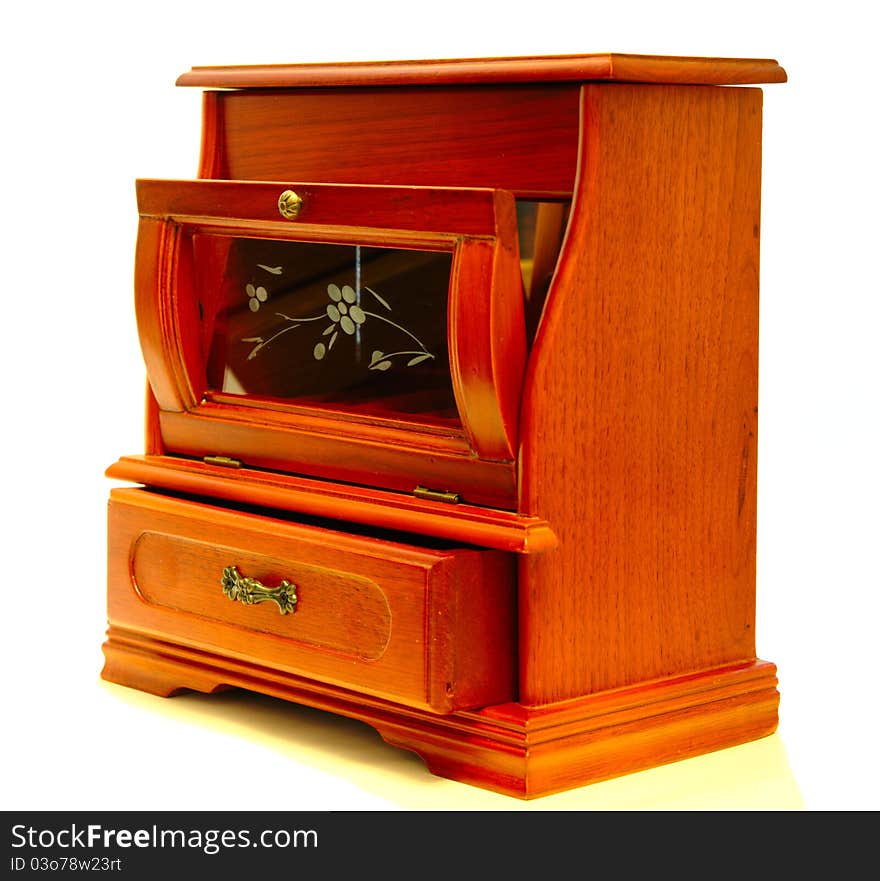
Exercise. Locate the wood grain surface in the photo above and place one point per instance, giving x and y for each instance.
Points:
(428, 627)
(601, 618)
(520, 139)
(486, 345)
(640, 407)
(469, 524)
(606, 66)
(518, 751)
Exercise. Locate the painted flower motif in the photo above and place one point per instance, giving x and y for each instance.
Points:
(343, 310)
(345, 314)
(256, 296)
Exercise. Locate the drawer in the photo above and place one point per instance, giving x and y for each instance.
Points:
(430, 627)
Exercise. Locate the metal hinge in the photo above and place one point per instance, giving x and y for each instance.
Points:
(436, 495)
(225, 461)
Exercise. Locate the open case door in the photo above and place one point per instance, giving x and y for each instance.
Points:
(366, 334)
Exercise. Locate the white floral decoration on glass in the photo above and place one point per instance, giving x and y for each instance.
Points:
(256, 296)
(346, 315)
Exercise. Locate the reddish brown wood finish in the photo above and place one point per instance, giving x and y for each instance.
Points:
(428, 628)
(302, 445)
(526, 69)
(486, 334)
(349, 210)
(212, 153)
(485, 527)
(639, 414)
(615, 456)
(519, 751)
(523, 140)
(153, 445)
(487, 337)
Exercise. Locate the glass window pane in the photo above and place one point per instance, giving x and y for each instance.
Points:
(345, 327)
(541, 227)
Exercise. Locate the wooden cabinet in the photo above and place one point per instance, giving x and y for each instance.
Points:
(452, 410)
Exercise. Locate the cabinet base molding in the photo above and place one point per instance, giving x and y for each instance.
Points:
(523, 751)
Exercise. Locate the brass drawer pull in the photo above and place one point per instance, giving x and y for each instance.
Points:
(289, 204)
(249, 591)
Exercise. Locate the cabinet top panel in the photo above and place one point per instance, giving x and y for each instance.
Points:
(611, 67)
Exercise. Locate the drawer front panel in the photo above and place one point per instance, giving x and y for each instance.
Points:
(424, 627)
(334, 610)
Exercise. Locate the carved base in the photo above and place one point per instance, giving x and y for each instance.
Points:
(509, 748)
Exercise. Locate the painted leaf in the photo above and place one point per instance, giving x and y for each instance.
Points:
(383, 302)
(417, 360)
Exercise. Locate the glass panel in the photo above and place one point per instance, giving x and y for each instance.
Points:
(541, 227)
(344, 327)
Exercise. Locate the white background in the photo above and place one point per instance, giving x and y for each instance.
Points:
(89, 104)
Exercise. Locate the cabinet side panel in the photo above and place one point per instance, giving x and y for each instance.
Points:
(640, 409)
(211, 158)
(155, 254)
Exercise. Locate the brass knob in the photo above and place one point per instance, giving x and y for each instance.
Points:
(289, 204)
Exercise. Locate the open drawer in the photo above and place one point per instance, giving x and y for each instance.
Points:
(430, 626)
(366, 334)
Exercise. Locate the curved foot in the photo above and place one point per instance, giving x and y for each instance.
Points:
(129, 665)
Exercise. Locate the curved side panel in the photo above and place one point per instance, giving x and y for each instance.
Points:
(487, 336)
(155, 244)
(212, 157)
(507, 321)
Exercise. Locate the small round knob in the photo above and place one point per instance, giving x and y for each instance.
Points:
(289, 204)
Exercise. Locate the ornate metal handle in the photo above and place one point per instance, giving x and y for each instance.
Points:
(249, 591)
